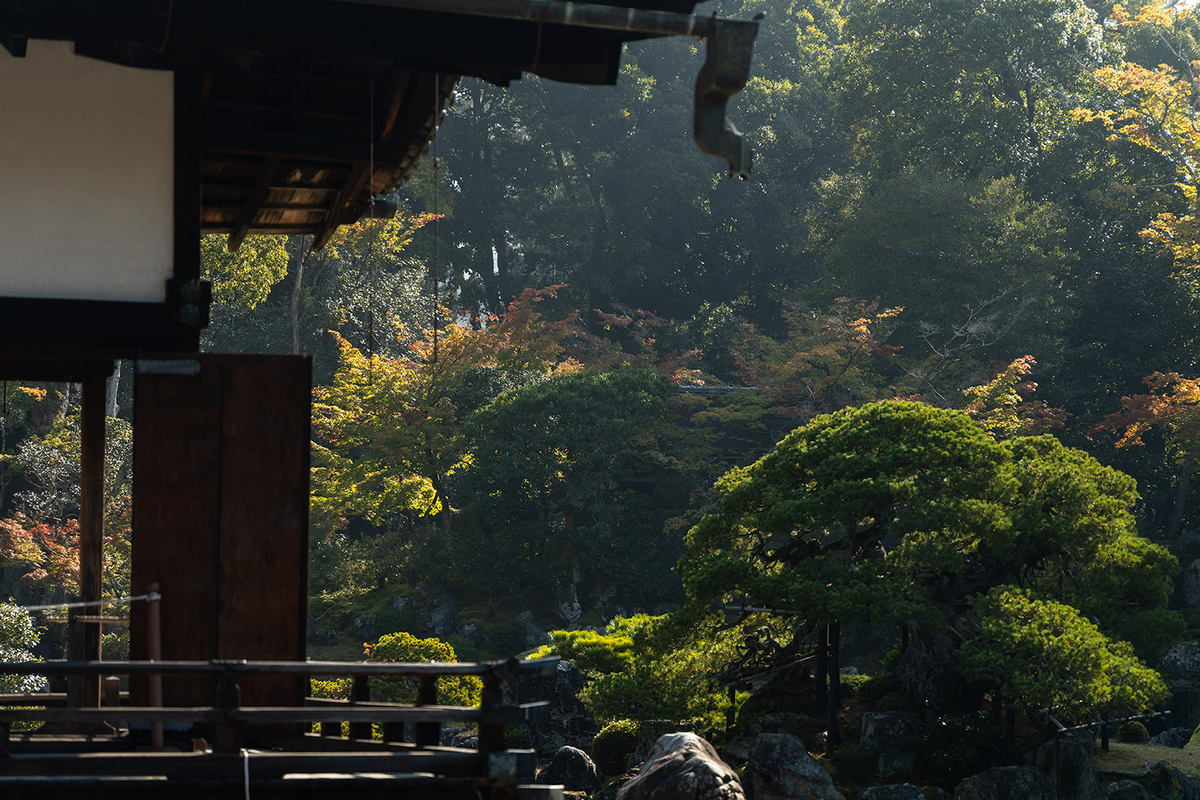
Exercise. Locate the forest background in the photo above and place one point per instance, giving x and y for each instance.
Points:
(529, 380)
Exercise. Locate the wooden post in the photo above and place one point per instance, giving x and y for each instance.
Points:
(1104, 735)
(832, 737)
(429, 734)
(491, 737)
(84, 638)
(154, 623)
(228, 737)
(393, 732)
(822, 654)
(360, 692)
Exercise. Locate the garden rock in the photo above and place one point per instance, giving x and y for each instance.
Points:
(682, 766)
(890, 737)
(570, 722)
(473, 634)
(1182, 660)
(1006, 783)
(1078, 779)
(1165, 782)
(1189, 584)
(1127, 790)
(535, 634)
(365, 625)
(1172, 737)
(441, 615)
(572, 768)
(895, 791)
(779, 767)
(649, 732)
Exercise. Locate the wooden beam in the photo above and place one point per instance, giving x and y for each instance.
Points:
(84, 637)
(267, 172)
(354, 183)
(286, 145)
(189, 86)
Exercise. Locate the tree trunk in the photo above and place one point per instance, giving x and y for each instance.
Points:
(1181, 493)
(832, 736)
(295, 307)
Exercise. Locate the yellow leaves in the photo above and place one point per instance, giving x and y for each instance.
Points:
(1173, 404)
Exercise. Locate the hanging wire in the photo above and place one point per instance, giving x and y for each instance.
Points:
(437, 81)
(371, 191)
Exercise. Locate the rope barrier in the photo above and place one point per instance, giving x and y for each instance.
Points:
(150, 597)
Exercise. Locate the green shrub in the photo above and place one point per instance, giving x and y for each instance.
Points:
(505, 638)
(1133, 732)
(593, 653)
(458, 691)
(613, 744)
(896, 701)
(851, 684)
(952, 747)
(874, 689)
(850, 764)
(334, 689)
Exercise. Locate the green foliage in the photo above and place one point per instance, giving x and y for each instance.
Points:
(1046, 655)
(1152, 632)
(851, 764)
(17, 639)
(1133, 732)
(458, 691)
(952, 747)
(644, 667)
(595, 654)
(613, 745)
(805, 527)
(244, 277)
(332, 689)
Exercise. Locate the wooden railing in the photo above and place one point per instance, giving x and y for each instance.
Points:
(400, 751)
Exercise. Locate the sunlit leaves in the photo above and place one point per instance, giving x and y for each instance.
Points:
(1048, 657)
(244, 277)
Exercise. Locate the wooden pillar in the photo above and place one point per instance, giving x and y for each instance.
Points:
(84, 641)
(833, 735)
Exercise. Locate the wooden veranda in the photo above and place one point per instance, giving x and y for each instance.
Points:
(226, 749)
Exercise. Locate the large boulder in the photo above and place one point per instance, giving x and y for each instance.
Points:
(1127, 790)
(1077, 777)
(1189, 584)
(682, 766)
(895, 791)
(573, 769)
(535, 634)
(1182, 660)
(1164, 781)
(779, 767)
(891, 739)
(570, 723)
(1006, 783)
(1172, 737)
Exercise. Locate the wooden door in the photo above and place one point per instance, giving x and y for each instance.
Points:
(220, 516)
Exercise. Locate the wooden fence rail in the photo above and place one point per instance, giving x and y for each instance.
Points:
(410, 743)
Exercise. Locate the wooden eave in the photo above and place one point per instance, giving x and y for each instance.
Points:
(309, 108)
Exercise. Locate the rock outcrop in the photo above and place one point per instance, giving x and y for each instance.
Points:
(682, 766)
(573, 769)
(780, 768)
(570, 723)
(890, 738)
(1006, 783)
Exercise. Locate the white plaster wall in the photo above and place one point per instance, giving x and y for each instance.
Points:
(86, 177)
